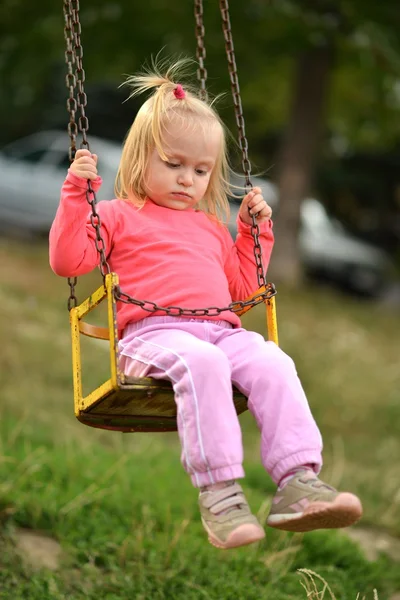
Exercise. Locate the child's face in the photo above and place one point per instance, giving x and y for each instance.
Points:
(182, 181)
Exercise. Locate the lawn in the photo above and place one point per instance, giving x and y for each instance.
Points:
(120, 505)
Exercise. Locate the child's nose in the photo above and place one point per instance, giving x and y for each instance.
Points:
(185, 178)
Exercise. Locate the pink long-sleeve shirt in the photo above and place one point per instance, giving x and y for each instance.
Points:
(171, 257)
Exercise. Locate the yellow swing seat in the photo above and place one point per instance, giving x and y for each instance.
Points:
(130, 404)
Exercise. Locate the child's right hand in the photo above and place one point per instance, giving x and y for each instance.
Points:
(85, 164)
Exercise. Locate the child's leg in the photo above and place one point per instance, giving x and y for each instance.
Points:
(291, 444)
(207, 422)
(267, 376)
(200, 373)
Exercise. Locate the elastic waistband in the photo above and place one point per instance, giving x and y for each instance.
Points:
(147, 321)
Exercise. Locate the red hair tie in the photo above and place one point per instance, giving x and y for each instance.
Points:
(179, 92)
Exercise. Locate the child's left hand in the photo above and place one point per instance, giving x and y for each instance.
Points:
(254, 204)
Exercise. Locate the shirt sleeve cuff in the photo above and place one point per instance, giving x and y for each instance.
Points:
(81, 182)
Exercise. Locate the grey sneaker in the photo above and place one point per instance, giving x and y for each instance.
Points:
(306, 503)
(227, 518)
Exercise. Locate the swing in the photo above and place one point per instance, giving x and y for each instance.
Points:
(132, 404)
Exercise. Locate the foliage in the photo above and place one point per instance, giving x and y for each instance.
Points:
(119, 36)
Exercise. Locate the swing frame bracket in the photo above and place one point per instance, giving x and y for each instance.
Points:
(110, 333)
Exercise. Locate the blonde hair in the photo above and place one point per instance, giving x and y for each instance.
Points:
(147, 132)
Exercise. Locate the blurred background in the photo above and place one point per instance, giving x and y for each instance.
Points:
(321, 99)
(320, 84)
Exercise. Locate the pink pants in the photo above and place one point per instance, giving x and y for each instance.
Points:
(202, 359)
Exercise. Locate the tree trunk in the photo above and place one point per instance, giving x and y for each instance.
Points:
(297, 159)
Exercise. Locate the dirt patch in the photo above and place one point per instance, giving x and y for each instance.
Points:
(38, 550)
(374, 542)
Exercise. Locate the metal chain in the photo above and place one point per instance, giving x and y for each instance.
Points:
(237, 102)
(70, 81)
(200, 49)
(79, 70)
(70, 78)
(75, 79)
(211, 311)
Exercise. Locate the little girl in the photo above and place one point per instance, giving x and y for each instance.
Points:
(165, 237)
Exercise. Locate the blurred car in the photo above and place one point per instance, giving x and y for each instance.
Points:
(32, 170)
(327, 250)
(332, 253)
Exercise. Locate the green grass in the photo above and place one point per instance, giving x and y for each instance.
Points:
(122, 507)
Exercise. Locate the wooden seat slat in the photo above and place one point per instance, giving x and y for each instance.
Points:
(140, 404)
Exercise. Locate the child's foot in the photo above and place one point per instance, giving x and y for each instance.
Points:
(227, 518)
(306, 503)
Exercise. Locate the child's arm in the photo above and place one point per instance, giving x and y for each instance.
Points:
(240, 265)
(72, 237)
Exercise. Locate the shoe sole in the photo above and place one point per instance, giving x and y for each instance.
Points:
(345, 510)
(241, 536)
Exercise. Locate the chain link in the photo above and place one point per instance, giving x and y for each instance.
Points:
(81, 98)
(237, 102)
(200, 49)
(211, 311)
(75, 79)
(77, 99)
(72, 300)
(96, 224)
(70, 81)
(70, 78)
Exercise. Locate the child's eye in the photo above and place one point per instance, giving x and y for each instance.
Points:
(173, 165)
(201, 172)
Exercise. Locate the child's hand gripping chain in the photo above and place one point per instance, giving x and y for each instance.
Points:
(254, 204)
(84, 164)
